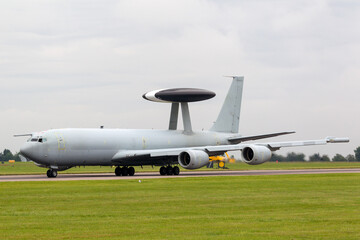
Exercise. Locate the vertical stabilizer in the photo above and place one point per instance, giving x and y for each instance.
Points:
(228, 119)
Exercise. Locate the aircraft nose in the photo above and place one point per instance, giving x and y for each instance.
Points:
(26, 150)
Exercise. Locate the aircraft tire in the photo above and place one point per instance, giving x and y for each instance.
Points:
(118, 171)
(124, 171)
(51, 173)
(169, 170)
(54, 173)
(162, 171)
(131, 171)
(176, 170)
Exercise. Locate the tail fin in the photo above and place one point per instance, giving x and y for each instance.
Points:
(228, 119)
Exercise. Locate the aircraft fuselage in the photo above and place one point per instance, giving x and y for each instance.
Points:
(76, 147)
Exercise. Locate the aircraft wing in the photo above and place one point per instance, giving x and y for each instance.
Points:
(159, 156)
(277, 145)
(239, 139)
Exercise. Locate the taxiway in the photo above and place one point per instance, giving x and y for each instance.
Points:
(149, 175)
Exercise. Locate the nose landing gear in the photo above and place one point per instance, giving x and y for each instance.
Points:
(51, 173)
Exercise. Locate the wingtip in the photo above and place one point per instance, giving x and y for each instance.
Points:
(337, 140)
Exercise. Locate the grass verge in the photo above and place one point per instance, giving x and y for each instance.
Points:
(323, 206)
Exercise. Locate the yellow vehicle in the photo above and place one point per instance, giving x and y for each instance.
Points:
(220, 160)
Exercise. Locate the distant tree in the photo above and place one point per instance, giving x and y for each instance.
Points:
(295, 157)
(350, 158)
(357, 154)
(6, 151)
(7, 155)
(339, 158)
(325, 158)
(318, 158)
(17, 157)
(276, 157)
(315, 157)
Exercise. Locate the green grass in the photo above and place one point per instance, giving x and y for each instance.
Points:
(31, 168)
(323, 206)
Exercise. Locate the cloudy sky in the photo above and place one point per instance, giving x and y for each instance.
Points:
(86, 63)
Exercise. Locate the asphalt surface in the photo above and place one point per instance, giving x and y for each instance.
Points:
(149, 175)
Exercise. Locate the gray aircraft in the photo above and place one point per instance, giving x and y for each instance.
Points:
(61, 149)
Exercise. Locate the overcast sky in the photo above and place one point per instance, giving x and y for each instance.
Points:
(86, 63)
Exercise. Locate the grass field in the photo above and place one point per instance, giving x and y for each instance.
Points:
(323, 206)
(31, 168)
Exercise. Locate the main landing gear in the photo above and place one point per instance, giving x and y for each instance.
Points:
(169, 170)
(124, 171)
(51, 173)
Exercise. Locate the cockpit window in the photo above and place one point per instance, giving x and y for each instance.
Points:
(37, 139)
(42, 140)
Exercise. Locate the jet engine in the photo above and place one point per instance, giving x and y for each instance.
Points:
(255, 155)
(193, 159)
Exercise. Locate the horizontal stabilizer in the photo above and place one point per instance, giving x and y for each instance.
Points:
(240, 139)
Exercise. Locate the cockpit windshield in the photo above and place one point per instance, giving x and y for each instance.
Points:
(37, 139)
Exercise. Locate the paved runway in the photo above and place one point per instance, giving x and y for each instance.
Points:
(147, 175)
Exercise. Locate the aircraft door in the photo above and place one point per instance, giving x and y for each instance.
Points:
(61, 142)
(44, 147)
(61, 147)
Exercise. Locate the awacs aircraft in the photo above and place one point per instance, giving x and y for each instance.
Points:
(61, 149)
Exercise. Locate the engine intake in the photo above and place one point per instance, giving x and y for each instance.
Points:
(193, 159)
(255, 155)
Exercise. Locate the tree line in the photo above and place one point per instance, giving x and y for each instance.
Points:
(7, 155)
(298, 157)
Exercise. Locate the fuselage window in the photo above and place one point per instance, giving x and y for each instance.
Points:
(34, 139)
(40, 140)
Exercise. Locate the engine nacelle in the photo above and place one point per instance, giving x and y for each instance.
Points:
(193, 159)
(255, 155)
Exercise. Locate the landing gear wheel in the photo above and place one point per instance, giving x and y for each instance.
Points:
(162, 171)
(176, 170)
(118, 171)
(124, 171)
(169, 170)
(51, 173)
(131, 171)
(54, 173)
